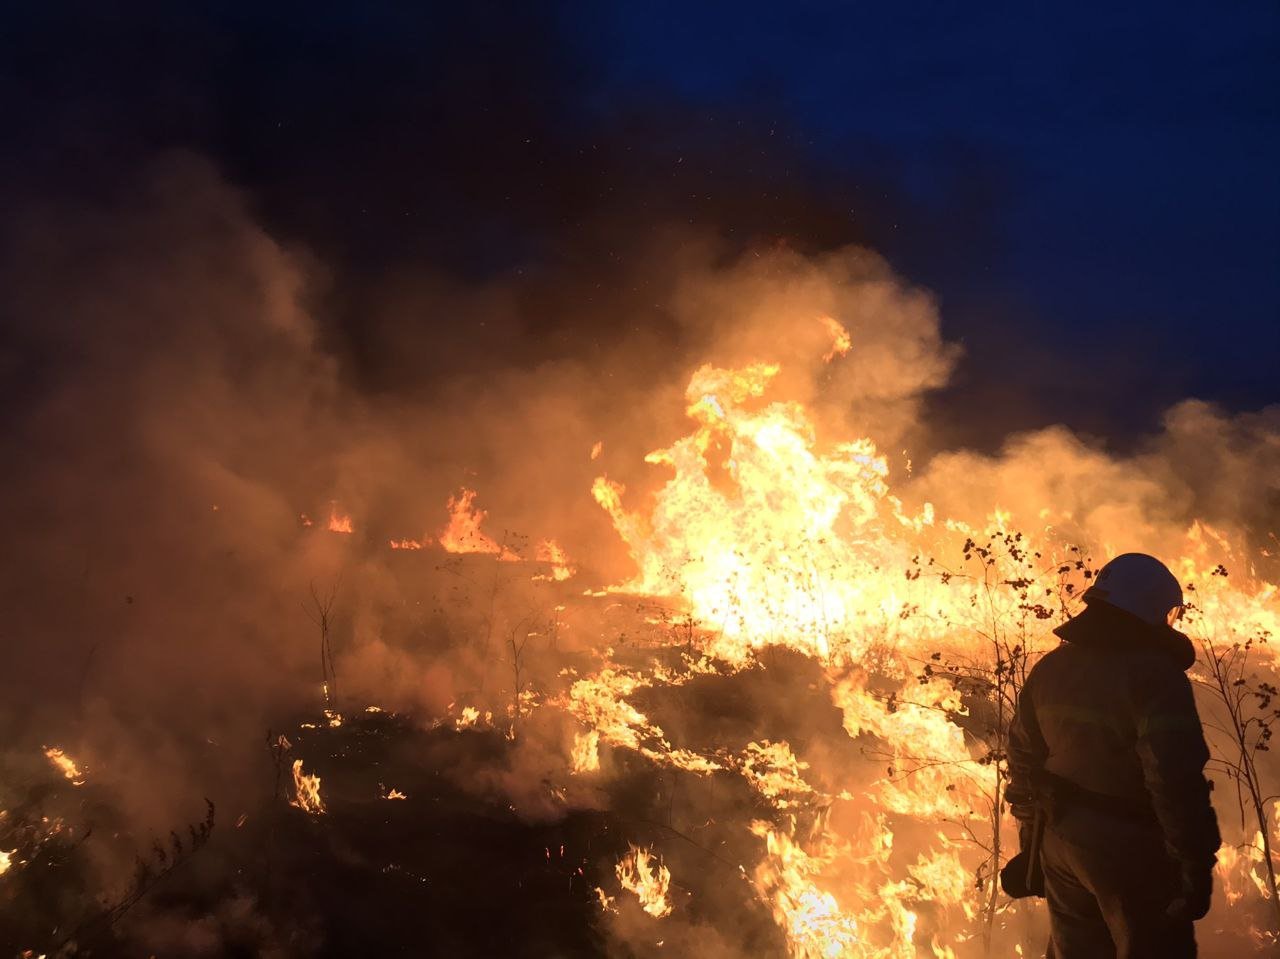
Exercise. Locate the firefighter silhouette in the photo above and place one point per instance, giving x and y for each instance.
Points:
(1107, 760)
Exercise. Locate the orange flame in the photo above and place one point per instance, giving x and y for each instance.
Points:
(306, 791)
(585, 754)
(463, 533)
(470, 717)
(816, 925)
(65, 765)
(763, 560)
(553, 554)
(643, 873)
(339, 523)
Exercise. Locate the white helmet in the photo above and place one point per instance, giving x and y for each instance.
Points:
(1141, 585)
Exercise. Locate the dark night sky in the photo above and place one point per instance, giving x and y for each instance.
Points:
(1091, 191)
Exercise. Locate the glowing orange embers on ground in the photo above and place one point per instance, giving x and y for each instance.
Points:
(306, 791)
(65, 765)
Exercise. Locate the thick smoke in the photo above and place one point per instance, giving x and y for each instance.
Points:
(171, 415)
(1205, 465)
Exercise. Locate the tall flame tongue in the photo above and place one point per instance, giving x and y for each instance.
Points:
(306, 791)
(767, 541)
(643, 873)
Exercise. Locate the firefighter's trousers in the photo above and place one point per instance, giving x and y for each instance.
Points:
(1107, 896)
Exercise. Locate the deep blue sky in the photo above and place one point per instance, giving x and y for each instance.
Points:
(1134, 149)
(1090, 190)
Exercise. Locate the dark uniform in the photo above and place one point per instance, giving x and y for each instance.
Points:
(1107, 748)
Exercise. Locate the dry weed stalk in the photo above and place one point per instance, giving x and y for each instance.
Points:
(320, 612)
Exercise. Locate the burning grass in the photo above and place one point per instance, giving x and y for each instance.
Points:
(784, 735)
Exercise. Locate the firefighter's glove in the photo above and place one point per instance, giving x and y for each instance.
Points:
(1019, 880)
(1195, 895)
(1021, 803)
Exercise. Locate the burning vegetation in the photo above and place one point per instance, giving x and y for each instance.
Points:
(712, 669)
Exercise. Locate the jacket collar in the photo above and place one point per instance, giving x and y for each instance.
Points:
(1108, 627)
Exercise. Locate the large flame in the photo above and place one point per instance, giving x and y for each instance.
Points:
(766, 539)
(767, 535)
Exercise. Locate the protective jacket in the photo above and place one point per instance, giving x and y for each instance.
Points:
(1107, 748)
